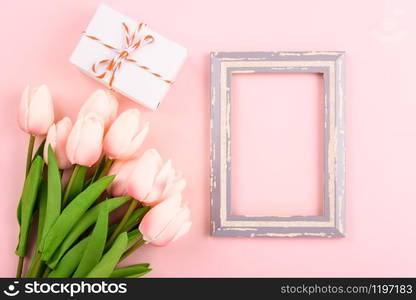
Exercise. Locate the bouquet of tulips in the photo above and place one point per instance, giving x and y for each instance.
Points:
(99, 157)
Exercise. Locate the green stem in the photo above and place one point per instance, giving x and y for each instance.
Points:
(36, 267)
(20, 267)
(107, 166)
(129, 227)
(30, 153)
(102, 169)
(133, 248)
(33, 262)
(132, 206)
(46, 273)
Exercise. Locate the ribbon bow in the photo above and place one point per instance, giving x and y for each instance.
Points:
(131, 42)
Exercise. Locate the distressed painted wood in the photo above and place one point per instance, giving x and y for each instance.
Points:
(332, 222)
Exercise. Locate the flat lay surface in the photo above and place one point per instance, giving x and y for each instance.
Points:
(379, 38)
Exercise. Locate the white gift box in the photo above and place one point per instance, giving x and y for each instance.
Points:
(128, 57)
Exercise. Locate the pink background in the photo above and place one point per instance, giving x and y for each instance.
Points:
(282, 146)
(380, 40)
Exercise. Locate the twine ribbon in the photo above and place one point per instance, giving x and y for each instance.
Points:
(132, 41)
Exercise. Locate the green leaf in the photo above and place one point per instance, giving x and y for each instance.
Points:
(29, 195)
(132, 270)
(41, 218)
(138, 274)
(39, 152)
(95, 246)
(75, 184)
(84, 223)
(53, 204)
(132, 236)
(71, 215)
(109, 261)
(70, 261)
(42, 211)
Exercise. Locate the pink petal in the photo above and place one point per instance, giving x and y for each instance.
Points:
(135, 144)
(84, 143)
(73, 140)
(121, 133)
(156, 220)
(41, 114)
(163, 177)
(122, 170)
(175, 185)
(63, 128)
(144, 174)
(24, 109)
(175, 226)
(183, 230)
(103, 103)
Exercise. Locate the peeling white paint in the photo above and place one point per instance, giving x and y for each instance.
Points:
(240, 228)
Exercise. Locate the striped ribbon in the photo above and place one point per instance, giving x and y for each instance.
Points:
(132, 41)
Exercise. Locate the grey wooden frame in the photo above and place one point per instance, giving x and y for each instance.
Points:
(331, 223)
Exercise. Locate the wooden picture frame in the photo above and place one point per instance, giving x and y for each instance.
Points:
(332, 222)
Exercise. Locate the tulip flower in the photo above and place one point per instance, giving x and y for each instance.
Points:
(167, 182)
(36, 110)
(84, 142)
(123, 170)
(143, 175)
(83, 149)
(102, 103)
(57, 137)
(176, 185)
(125, 136)
(166, 222)
(35, 117)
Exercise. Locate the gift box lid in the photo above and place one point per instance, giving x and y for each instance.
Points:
(148, 71)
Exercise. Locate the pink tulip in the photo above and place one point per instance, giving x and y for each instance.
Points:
(57, 136)
(84, 144)
(174, 185)
(144, 174)
(123, 170)
(36, 110)
(166, 222)
(163, 179)
(103, 103)
(125, 136)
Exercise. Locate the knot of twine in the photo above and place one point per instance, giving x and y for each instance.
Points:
(132, 41)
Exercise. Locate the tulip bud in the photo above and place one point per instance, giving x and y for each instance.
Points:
(144, 174)
(165, 175)
(84, 144)
(175, 185)
(36, 110)
(102, 103)
(57, 136)
(125, 136)
(166, 222)
(123, 170)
